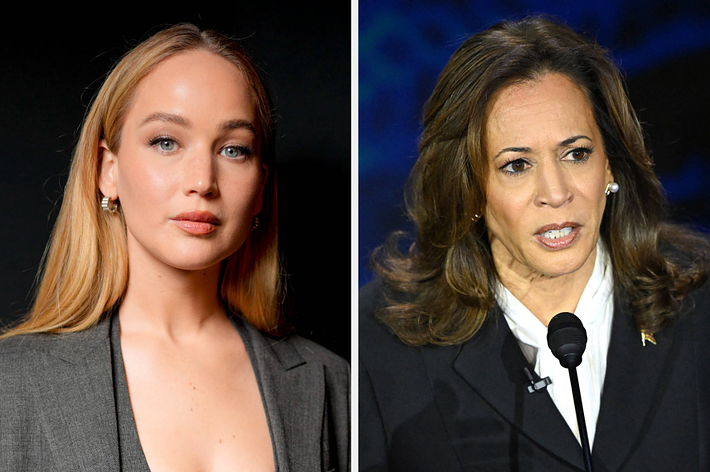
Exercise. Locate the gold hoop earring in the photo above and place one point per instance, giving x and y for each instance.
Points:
(254, 223)
(108, 205)
(611, 187)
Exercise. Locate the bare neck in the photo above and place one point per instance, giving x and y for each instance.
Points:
(545, 296)
(170, 302)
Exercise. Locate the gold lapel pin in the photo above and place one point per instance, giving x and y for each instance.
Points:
(646, 336)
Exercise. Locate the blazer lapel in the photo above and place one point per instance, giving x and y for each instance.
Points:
(293, 393)
(492, 364)
(75, 383)
(631, 387)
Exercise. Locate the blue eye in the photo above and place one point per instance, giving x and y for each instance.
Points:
(167, 145)
(164, 144)
(236, 152)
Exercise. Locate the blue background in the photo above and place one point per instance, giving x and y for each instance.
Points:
(663, 48)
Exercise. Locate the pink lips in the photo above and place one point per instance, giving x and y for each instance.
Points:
(558, 243)
(196, 222)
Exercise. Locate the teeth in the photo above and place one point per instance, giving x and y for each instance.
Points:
(554, 234)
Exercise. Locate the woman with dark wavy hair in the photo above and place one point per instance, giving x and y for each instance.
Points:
(534, 194)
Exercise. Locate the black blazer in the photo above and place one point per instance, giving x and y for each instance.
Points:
(466, 407)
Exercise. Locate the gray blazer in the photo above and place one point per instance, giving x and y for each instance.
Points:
(57, 409)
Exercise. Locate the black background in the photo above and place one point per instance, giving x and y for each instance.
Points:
(53, 65)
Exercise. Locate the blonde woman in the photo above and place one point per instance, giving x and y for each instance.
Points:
(156, 340)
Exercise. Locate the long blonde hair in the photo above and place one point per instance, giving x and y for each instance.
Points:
(85, 266)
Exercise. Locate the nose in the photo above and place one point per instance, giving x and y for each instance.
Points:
(200, 174)
(554, 185)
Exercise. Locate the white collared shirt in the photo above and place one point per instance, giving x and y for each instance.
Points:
(595, 310)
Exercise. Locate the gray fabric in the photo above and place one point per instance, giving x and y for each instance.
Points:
(58, 411)
(130, 451)
(306, 393)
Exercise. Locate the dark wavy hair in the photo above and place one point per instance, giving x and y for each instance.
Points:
(441, 290)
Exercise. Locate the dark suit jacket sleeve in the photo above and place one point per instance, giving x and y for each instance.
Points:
(372, 442)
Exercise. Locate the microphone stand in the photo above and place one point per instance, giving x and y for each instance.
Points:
(584, 439)
(567, 339)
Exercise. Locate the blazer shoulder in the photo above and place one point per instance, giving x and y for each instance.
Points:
(696, 307)
(16, 350)
(22, 358)
(291, 350)
(371, 298)
(314, 352)
(376, 338)
(73, 347)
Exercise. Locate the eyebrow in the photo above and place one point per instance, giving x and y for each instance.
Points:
(238, 124)
(564, 143)
(185, 123)
(569, 141)
(167, 118)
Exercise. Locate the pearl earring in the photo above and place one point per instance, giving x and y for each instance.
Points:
(611, 187)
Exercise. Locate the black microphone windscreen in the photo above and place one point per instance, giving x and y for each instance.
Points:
(567, 338)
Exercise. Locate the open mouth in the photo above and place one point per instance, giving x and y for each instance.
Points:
(555, 234)
(558, 236)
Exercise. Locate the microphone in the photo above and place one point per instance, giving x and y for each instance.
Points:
(567, 340)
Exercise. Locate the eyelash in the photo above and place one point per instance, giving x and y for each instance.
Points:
(245, 151)
(155, 142)
(586, 150)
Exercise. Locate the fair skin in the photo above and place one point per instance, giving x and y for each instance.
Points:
(189, 179)
(545, 192)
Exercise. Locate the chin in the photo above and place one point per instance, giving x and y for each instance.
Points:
(193, 260)
(192, 264)
(199, 254)
(562, 263)
(183, 252)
